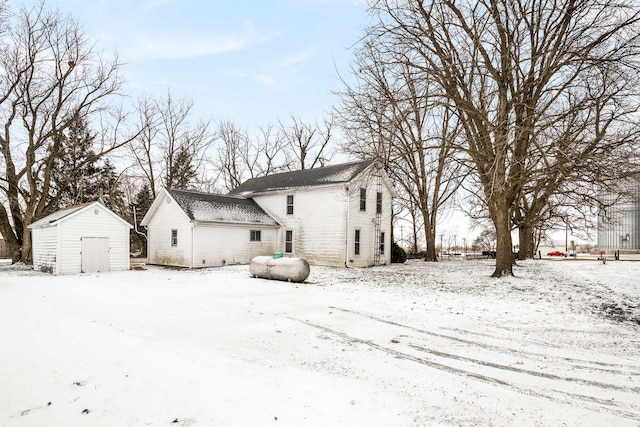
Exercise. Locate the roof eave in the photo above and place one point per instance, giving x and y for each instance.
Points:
(252, 224)
(250, 194)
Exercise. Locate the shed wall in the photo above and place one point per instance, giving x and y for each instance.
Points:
(89, 224)
(44, 246)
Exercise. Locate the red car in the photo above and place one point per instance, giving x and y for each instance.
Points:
(555, 253)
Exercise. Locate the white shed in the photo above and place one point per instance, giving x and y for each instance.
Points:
(81, 239)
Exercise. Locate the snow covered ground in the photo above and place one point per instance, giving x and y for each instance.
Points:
(418, 344)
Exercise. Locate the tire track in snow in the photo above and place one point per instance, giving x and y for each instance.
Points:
(587, 364)
(468, 367)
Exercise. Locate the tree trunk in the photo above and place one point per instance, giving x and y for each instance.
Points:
(430, 240)
(26, 250)
(504, 251)
(525, 237)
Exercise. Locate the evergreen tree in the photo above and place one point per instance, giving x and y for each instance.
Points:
(141, 204)
(74, 172)
(182, 172)
(143, 201)
(108, 187)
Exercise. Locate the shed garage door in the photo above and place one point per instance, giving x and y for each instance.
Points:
(95, 254)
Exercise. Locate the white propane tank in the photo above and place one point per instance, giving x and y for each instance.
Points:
(287, 269)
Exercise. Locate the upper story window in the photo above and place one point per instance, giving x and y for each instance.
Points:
(378, 202)
(174, 237)
(290, 204)
(255, 236)
(363, 199)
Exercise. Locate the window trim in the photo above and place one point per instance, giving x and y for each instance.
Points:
(255, 235)
(363, 199)
(174, 237)
(290, 205)
(288, 241)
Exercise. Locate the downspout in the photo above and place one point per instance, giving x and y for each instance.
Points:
(192, 245)
(346, 230)
(135, 224)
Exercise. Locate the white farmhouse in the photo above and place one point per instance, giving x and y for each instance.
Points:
(335, 215)
(193, 229)
(85, 238)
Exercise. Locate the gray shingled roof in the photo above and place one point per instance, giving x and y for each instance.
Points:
(302, 178)
(208, 207)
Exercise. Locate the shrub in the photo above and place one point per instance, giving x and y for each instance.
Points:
(398, 255)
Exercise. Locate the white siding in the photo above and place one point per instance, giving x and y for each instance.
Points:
(220, 244)
(318, 222)
(169, 217)
(365, 222)
(88, 223)
(44, 249)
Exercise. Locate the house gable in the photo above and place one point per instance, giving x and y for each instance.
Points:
(70, 212)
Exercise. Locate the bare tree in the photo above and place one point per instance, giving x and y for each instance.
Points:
(390, 115)
(509, 69)
(578, 151)
(235, 159)
(306, 145)
(50, 76)
(270, 148)
(171, 148)
(143, 149)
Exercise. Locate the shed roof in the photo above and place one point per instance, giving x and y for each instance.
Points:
(207, 207)
(65, 213)
(326, 175)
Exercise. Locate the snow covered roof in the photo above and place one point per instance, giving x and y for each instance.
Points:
(326, 175)
(207, 207)
(57, 216)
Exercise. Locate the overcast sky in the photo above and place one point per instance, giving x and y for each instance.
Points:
(250, 61)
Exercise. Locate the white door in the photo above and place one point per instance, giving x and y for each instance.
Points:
(95, 254)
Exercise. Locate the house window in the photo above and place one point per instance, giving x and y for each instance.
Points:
(378, 203)
(363, 199)
(255, 235)
(174, 237)
(381, 241)
(290, 204)
(356, 248)
(288, 241)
